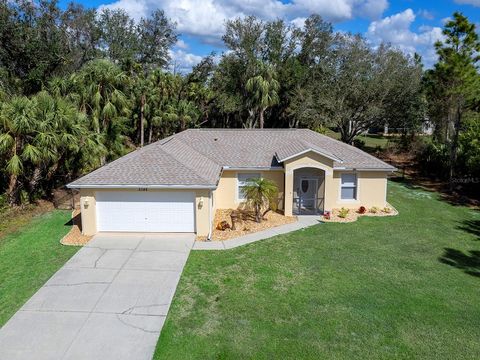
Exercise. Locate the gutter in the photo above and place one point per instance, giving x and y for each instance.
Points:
(140, 186)
(365, 169)
(252, 168)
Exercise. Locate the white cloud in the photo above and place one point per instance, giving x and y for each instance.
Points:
(206, 19)
(396, 30)
(181, 44)
(373, 8)
(136, 9)
(298, 22)
(469, 2)
(182, 61)
(426, 14)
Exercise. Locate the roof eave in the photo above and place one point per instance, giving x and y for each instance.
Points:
(392, 169)
(252, 168)
(138, 186)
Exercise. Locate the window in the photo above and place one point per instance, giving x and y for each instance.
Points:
(242, 180)
(349, 187)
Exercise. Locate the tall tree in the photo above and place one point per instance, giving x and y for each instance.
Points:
(39, 136)
(102, 86)
(263, 91)
(17, 132)
(83, 33)
(33, 47)
(456, 78)
(118, 35)
(353, 91)
(156, 35)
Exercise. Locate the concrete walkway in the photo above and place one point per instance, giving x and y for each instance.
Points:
(303, 222)
(109, 301)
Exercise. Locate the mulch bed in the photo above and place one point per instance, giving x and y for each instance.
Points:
(246, 225)
(353, 214)
(75, 236)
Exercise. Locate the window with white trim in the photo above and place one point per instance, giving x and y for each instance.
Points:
(242, 180)
(348, 187)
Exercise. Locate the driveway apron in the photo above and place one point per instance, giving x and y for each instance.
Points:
(109, 301)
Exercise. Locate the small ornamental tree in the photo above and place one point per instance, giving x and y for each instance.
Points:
(261, 195)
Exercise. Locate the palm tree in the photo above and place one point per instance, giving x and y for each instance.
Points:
(62, 131)
(17, 128)
(263, 90)
(39, 137)
(102, 86)
(261, 194)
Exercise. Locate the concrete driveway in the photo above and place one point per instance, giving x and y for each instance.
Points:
(109, 301)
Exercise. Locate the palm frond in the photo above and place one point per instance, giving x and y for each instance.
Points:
(14, 165)
(31, 153)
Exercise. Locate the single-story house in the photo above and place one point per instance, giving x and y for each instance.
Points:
(177, 184)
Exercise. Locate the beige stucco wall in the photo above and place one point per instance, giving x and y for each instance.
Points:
(371, 190)
(89, 216)
(371, 185)
(88, 209)
(202, 213)
(226, 194)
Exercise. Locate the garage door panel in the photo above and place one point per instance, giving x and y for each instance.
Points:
(146, 211)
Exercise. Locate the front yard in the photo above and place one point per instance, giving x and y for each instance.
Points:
(395, 287)
(29, 257)
(399, 287)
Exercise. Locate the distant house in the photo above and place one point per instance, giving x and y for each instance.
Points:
(427, 127)
(176, 184)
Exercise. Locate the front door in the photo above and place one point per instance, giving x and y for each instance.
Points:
(307, 193)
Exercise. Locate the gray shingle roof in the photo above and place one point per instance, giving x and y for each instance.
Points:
(197, 156)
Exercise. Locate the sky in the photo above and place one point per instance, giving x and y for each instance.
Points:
(410, 25)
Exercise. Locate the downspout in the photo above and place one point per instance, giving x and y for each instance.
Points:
(210, 219)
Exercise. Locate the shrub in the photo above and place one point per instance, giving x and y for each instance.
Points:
(387, 210)
(374, 210)
(321, 129)
(343, 213)
(362, 210)
(433, 159)
(359, 143)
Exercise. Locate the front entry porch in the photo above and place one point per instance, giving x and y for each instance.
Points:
(308, 191)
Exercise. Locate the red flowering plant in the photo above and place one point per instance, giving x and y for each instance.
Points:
(362, 210)
(326, 215)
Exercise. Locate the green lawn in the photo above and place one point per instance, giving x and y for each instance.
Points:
(372, 141)
(382, 288)
(29, 257)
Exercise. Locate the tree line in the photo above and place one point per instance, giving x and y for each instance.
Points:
(79, 87)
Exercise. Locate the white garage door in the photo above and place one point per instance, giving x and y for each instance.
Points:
(151, 211)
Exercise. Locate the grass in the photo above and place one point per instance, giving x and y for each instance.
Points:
(12, 219)
(398, 287)
(372, 141)
(29, 257)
